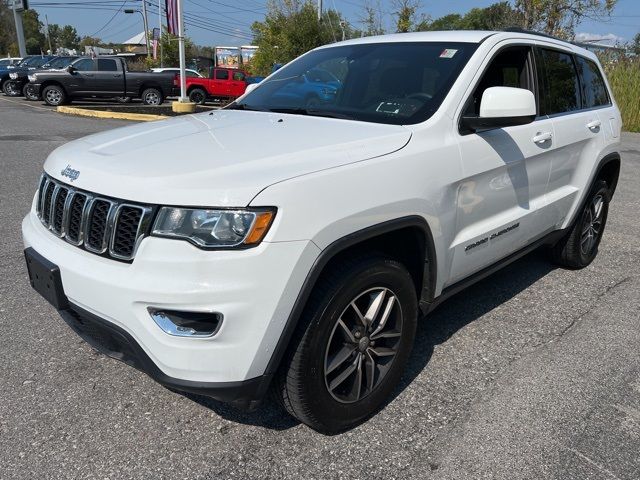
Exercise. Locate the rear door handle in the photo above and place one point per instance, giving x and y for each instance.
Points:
(542, 137)
(594, 125)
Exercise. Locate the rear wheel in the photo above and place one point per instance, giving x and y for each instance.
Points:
(30, 93)
(198, 96)
(351, 351)
(54, 95)
(152, 96)
(580, 246)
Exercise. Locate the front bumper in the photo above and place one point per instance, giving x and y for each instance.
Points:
(254, 289)
(115, 342)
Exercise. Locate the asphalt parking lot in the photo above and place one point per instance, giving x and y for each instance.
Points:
(532, 374)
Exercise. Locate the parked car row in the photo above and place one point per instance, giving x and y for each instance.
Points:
(59, 80)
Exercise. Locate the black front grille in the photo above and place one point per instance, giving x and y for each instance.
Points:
(127, 230)
(104, 226)
(97, 225)
(58, 209)
(75, 217)
(46, 206)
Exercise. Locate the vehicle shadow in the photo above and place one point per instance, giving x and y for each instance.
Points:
(436, 328)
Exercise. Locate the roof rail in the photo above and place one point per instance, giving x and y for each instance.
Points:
(533, 32)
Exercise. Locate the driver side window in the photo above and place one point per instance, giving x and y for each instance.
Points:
(84, 65)
(510, 68)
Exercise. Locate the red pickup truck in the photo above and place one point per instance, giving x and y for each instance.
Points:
(224, 85)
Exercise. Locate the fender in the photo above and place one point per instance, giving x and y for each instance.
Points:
(428, 280)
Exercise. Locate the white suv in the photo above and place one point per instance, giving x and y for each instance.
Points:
(292, 239)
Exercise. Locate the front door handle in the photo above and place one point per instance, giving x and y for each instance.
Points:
(542, 137)
(594, 125)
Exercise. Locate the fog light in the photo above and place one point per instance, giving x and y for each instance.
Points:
(187, 324)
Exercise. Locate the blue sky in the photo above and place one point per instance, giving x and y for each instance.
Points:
(227, 22)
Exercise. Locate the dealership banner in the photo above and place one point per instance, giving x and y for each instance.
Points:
(228, 57)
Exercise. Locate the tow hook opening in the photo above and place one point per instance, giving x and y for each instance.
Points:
(187, 324)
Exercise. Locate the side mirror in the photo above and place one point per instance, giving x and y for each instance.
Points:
(71, 69)
(503, 107)
(250, 88)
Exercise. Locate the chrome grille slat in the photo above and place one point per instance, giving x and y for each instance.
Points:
(100, 225)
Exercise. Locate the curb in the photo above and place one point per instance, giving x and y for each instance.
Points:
(142, 117)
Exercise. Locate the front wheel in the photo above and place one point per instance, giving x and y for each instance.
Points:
(198, 96)
(152, 96)
(54, 95)
(30, 93)
(11, 89)
(352, 347)
(580, 246)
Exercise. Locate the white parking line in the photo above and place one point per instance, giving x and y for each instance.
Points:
(27, 105)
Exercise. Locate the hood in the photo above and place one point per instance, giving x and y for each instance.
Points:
(223, 158)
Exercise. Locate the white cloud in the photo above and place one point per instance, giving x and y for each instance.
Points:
(604, 39)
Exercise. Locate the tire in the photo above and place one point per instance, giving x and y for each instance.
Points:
(10, 89)
(54, 95)
(152, 96)
(198, 96)
(313, 383)
(29, 93)
(580, 246)
(123, 99)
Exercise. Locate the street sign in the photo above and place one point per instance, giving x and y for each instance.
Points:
(21, 5)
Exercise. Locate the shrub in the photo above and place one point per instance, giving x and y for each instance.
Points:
(623, 74)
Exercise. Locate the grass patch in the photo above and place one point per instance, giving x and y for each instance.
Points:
(624, 77)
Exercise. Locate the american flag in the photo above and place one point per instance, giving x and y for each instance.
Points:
(172, 16)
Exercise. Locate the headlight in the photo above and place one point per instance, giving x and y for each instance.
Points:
(13, 75)
(32, 78)
(214, 228)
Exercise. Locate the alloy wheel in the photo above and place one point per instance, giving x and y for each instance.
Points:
(53, 97)
(363, 345)
(592, 225)
(152, 98)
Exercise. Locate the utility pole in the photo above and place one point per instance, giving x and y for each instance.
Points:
(17, 18)
(46, 24)
(319, 10)
(183, 75)
(160, 27)
(146, 27)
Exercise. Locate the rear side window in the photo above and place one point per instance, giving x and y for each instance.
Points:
(594, 91)
(562, 92)
(222, 75)
(107, 65)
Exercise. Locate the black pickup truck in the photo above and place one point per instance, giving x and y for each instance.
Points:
(105, 77)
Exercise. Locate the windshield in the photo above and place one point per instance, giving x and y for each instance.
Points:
(32, 62)
(396, 83)
(60, 62)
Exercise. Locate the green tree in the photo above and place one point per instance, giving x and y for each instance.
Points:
(560, 17)
(494, 17)
(371, 20)
(68, 37)
(8, 44)
(635, 45)
(405, 13)
(291, 28)
(33, 36)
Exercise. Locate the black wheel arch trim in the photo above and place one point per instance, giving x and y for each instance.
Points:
(428, 281)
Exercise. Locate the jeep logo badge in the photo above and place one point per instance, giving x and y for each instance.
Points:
(70, 172)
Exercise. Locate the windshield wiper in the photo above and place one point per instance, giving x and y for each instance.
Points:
(314, 112)
(244, 106)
